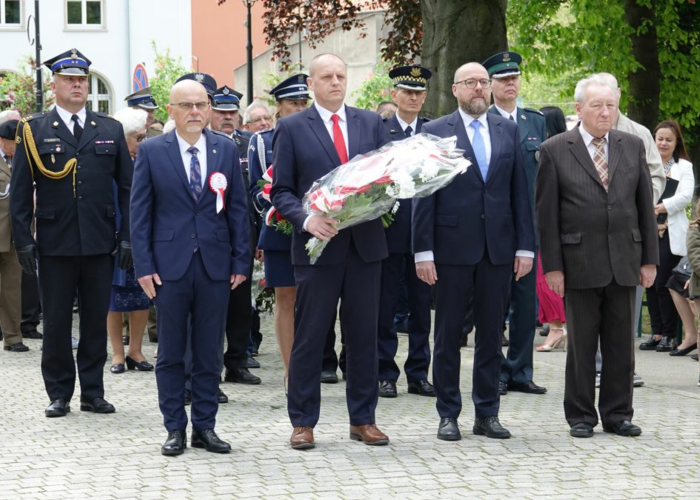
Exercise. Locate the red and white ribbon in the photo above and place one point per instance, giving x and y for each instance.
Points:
(218, 184)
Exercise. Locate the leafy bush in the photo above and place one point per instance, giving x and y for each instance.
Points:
(18, 89)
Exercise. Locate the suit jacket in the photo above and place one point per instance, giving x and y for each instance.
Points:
(166, 221)
(303, 152)
(595, 236)
(398, 234)
(71, 223)
(5, 229)
(533, 132)
(469, 216)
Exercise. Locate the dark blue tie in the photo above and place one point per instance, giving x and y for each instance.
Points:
(408, 131)
(195, 174)
(479, 149)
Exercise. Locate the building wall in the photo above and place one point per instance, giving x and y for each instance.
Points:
(360, 54)
(219, 38)
(114, 49)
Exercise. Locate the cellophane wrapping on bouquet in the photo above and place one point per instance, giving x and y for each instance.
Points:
(369, 185)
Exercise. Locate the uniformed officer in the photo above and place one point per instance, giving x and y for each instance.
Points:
(291, 96)
(70, 157)
(10, 272)
(142, 99)
(517, 369)
(240, 319)
(409, 93)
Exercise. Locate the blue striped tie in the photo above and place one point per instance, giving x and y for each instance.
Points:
(195, 174)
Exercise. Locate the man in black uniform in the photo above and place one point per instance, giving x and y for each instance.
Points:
(72, 157)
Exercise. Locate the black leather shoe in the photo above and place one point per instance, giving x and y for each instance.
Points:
(17, 347)
(221, 398)
(449, 430)
(33, 334)
(251, 362)
(175, 444)
(490, 427)
(208, 440)
(387, 389)
(683, 352)
(329, 377)
(422, 387)
(528, 387)
(97, 405)
(666, 344)
(649, 345)
(142, 366)
(581, 430)
(241, 376)
(502, 388)
(57, 408)
(188, 397)
(117, 368)
(623, 428)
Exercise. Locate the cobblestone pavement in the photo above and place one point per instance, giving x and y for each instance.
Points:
(118, 456)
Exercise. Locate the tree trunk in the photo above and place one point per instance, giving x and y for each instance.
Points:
(456, 32)
(644, 83)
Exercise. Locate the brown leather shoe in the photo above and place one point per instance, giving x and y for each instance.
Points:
(302, 438)
(369, 434)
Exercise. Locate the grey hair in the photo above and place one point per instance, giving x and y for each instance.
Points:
(8, 114)
(610, 79)
(169, 126)
(254, 104)
(597, 79)
(133, 120)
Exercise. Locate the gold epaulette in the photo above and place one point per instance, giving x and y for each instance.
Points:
(33, 154)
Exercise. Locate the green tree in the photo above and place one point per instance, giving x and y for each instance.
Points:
(18, 89)
(375, 89)
(168, 70)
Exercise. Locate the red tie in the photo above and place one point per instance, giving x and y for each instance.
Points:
(339, 140)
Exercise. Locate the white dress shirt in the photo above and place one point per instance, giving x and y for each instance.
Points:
(343, 123)
(403, 124)
(505, 114)
(588, 141)
(201, 145)
(484, 130)
(67, 117)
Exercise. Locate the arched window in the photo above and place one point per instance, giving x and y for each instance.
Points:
(99, 94)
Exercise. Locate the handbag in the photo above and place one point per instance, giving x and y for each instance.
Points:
(682, 271)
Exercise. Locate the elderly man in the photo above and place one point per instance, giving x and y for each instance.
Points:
(257, 118)
(306, 146)
(143, 99)
(74, 157)
(189, 226)
(474, 235)
(597, 232)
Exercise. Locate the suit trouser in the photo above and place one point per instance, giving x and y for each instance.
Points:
(639, 293)
(488, 285)
(31, 305)
(606, 312)
(59, 279)
(356, 284)
(418, 361)
(10, 297)
(205, 299)
(517, 364)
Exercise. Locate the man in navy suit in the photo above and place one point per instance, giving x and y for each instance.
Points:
(306, 146)
(191, 248)
(409, 94)
(474, 235)
(517, 369)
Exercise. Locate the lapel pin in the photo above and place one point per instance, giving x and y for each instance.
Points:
(55, 124)
(392, 131)
(93, 124)
(213, 151)
(523, 117)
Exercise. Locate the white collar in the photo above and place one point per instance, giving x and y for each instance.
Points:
(201, 144)
(506, 114)
(326, 114)
(403, 124)
(67, 116)
(468, 119)
(588, 138)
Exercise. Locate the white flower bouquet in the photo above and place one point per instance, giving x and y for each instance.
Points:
(369, 185)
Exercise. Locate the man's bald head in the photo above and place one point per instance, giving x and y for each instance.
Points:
(189, 87)
(189, 108)
(469, 68)
(323, 59)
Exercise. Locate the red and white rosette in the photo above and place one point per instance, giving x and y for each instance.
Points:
(218, 184)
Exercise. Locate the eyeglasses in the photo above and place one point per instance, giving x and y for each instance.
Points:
(471, 83)
(140, 138)
(187, 106)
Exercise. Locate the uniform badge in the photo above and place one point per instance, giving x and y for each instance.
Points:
(301, 78)
(55, 124)
(199, 77)
(415, 72)
(218, 184)
(58, 149)
(523, 117)
(392, 131)
(226, 92)
(506, 57)
(93, 124)
(213, 151)
(18, 140)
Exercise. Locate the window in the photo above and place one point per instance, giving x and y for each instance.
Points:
(85, 13)
(99, 96)
(11, 13)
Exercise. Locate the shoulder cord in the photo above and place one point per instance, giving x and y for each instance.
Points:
(30, 147)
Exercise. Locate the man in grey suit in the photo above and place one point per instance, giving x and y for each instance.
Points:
(597, 231)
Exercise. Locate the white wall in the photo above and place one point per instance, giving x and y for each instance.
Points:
(129, 26)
